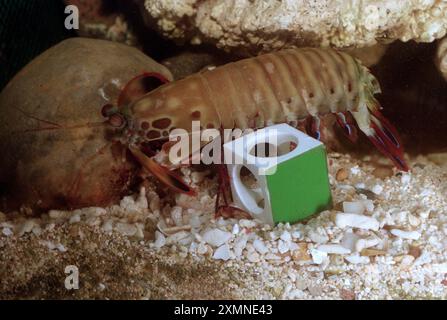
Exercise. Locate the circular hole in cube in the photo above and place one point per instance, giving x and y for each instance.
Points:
(250, 182)
(268, 150)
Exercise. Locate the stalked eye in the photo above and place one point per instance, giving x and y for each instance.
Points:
(107, 110)
(117, 121)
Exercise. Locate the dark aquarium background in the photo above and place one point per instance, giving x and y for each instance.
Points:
(27, 28)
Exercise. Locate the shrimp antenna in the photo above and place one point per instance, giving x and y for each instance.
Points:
(57, 126)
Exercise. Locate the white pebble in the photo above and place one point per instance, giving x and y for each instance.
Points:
(286, 236)
(26, 227)
(37, 230)
(140, 231)
(343, 220)
(405, 178)
(178, 236)
(160, 239)
(349, 240)
(407, 260)
(216, 237)
(94, 211)
(129, 204)
(260, 246)
(412, 235)
(7, 232)
(56, 214)
(235, 229)
(424, 214)
(93, 221)
(61, 248)
(293, 246)
(273, 235)
(247, 223)
(240, 245)
(413, 220)
(357, 259)
(222, 253)
(440, 267)
(271, 256)
(318, 257)
(354, 207)
(177, 216)
(369, 205)
(360, 185)
(318, 237)
(193, 247)
(142, 199)
(194, 221)
(400, 217)
(107, 226)
(296, 234)
(75, 218)
(283, 246)
(333, 248)
(366, 243)
(126, 229)
(355, 170)
(377, 189)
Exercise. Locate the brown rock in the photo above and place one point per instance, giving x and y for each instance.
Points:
(66, 86)
(414, 251)
(301, 253)
(342, 174)
(383, 172)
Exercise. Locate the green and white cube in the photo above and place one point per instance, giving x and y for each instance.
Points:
(293, 183)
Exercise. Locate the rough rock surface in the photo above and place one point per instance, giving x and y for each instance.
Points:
(258, 25)
(442, 57)
(66, 86)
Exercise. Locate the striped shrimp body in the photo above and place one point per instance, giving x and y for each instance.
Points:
(286, 86)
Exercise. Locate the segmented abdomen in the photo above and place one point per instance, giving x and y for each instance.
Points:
(271, 88)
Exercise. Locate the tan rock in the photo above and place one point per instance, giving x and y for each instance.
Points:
(372, 252)
(383, 172)
(67, 86)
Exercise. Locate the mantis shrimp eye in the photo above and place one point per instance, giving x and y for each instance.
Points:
(107, 110)
(117, 121)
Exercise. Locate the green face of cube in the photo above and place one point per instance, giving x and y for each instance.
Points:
(300, 187)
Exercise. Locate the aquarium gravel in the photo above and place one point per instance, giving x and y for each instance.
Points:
(385, 238)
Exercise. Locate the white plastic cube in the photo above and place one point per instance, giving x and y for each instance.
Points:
(292, 185)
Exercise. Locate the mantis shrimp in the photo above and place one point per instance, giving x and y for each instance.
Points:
(282, 87)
